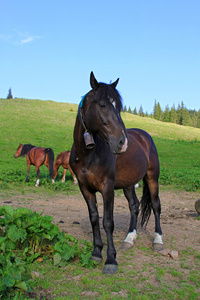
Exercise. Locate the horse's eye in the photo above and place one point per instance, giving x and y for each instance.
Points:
(102, 104)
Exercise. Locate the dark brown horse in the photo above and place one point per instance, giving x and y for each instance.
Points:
(100, 134)
(62, 159)
(36, 156)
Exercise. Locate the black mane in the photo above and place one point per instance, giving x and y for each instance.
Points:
(106, 91)
(26, 148)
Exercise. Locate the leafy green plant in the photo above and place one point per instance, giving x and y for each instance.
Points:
(26, 235)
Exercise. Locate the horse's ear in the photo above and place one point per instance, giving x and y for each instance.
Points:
(114, 84)
(93, 82)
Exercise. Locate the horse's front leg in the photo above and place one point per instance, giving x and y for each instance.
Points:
(28, 170)
(90, 199)
(108, 224)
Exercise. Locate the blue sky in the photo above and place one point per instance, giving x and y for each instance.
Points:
(48, 49)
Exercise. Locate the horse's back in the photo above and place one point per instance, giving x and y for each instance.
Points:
(132, 165)
(36, 155)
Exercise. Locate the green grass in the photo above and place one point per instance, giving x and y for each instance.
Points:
(50, 124)
(74, 282)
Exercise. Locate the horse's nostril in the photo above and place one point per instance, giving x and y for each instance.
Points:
(122, 142)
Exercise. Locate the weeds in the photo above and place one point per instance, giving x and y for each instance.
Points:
(24, 237)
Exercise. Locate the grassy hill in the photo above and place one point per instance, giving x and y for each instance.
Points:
(50, 124)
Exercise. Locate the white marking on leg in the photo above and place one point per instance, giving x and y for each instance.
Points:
(131, 236)
(158, 239)
(53, 181)
(75, 181)
(136, 185)
(63, 180)
(37, 183)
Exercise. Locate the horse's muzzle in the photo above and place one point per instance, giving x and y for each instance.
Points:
(120, 145)
(125, 146)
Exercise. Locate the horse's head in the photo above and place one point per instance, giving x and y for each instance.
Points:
(100, 114)
(22, 150)
(19, 150)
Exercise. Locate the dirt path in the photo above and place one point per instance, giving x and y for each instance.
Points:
(178, 219)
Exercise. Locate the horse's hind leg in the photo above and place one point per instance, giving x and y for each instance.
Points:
(64, 174)
(156, 206)
(38, 176)
(134, 210)
(73, 175)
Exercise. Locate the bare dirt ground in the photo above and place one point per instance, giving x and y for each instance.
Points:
(178, 218)
(179, 221)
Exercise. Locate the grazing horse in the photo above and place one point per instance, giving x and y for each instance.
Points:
(36, 156)
(100, 134)
(62, 159)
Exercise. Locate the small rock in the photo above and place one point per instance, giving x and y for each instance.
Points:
(173, 254)
(164, 252)
(76, 222)
(36, 275)
(197, 206)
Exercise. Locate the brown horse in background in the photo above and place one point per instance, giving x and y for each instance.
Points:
(36, 156)
(62, 159)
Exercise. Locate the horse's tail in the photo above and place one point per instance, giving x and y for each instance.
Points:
(51, 160)
(145, 205)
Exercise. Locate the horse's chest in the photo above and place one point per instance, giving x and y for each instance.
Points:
(93, 176)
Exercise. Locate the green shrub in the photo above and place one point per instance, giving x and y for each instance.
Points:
(26, 235)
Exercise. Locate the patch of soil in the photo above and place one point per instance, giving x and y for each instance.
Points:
(178, 218)
(180, 226)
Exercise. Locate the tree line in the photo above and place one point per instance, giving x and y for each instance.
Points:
(180, 115)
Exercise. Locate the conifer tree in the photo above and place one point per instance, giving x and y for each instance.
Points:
(140, 112)
(198, 119)
(173, 113)
(129, 110)
(135, 111)
(9, 94)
